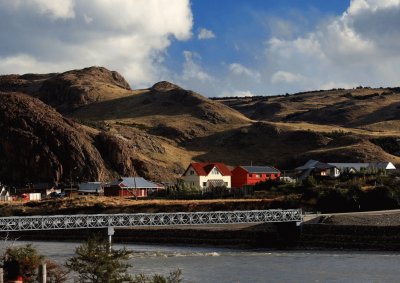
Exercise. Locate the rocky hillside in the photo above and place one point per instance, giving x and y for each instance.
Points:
(89, 125)
(69, 90)
(38, 144)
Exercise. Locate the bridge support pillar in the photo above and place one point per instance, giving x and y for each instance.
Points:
(110, 232)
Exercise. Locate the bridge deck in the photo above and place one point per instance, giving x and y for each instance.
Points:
(57, 222)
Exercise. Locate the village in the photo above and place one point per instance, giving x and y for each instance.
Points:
(202, 177)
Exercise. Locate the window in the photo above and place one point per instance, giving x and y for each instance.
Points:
(191, 172)
(204, 184)
(250, 175)
(257, 175)
(215, 171)
(226, 184)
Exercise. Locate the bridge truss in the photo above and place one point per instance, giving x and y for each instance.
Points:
(58, 222)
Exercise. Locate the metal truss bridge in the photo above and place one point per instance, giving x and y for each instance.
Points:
(58, 222)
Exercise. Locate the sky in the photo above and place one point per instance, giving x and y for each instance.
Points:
(216, 48)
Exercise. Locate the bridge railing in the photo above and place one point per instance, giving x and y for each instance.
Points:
(57, 222)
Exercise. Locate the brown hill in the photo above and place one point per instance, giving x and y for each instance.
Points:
(71, 89)
(164, 110)
(349, 108)
(39, 144)
(110, 130)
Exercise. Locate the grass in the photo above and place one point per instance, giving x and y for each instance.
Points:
(96, 205)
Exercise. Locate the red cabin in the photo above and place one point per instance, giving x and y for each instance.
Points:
(251, 175)
(131, 186)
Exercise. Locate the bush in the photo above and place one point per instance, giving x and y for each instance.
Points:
(379, 198)
(23, 261)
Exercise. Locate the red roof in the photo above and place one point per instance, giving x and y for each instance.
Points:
(203, 169)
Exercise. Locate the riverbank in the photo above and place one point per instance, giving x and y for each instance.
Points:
(359, 232)
(379, 231)
(353, 232)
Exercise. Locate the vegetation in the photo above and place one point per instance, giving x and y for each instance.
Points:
(24, 261)
(94, 261)
(100, 125)
(185, 192)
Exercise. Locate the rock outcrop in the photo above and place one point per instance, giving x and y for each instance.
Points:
(69, 90)
(37, 143)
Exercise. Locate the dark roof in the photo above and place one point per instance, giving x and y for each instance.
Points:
(136, 183)
(316, 165)
(91, 187)
(203, 169)
(260, 169)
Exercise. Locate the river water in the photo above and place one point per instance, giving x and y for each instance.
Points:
(230, 265)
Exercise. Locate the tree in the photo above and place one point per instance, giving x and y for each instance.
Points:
(95, 261)
(24, 261)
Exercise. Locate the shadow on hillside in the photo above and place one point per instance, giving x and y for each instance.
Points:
(174, 102)
(258, 144)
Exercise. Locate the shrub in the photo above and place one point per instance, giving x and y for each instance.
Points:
(96, 261)
(23, 261)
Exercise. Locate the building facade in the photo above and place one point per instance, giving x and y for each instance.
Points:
(207, 175)
(251, 175)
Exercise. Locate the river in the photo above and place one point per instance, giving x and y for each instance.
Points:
(205, 264)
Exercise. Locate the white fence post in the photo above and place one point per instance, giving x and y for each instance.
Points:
(1, 275)
(42, 273)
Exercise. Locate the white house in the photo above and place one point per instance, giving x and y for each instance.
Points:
(207, 175)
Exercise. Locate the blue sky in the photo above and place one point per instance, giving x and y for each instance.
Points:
(242, 27)
(217, 48)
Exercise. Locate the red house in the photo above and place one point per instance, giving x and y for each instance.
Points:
(251, 175)
(131, 186)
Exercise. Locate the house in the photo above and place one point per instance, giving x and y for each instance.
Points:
(317, 169)
(382, 166)
(131, 186)
(91, 188)
(366, 167)
(251, 175)
(4, 194)
(207, 175)
(351, 167)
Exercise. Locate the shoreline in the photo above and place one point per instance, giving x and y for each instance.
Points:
(271, 236)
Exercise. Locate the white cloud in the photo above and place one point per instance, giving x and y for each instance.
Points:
(286, 77)
(205, 34)
(23, 62)
(192, 68)
(55, 9)
(238, 93)
(87, 19)
(128, 36)
(360, 47)
(238, 69)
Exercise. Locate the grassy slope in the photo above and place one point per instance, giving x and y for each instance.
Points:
(294, 128)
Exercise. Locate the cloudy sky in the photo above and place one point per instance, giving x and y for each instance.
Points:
(217, 48)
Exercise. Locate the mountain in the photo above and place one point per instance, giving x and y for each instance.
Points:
(90, 125)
